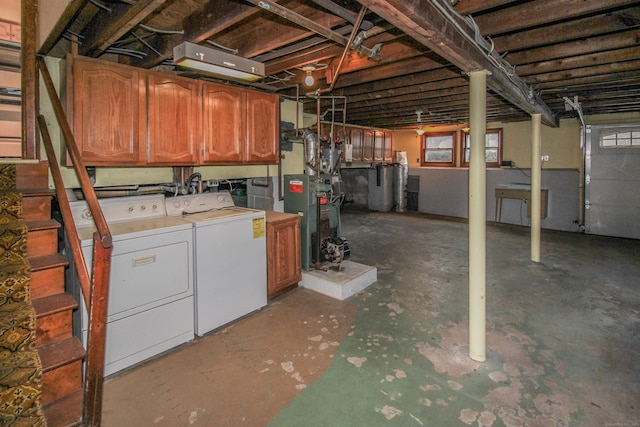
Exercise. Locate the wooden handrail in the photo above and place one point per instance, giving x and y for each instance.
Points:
(65, 210)
(76, 159)
(96, 289)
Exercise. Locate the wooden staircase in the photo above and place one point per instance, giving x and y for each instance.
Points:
(60, 353)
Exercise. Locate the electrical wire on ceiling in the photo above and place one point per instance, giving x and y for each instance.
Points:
(73, 37)
(100, 5)
(130, 40)
(219, 46)
(146, 44)
(277, 79)
(159, 31)
(486, 48)
(127, 52)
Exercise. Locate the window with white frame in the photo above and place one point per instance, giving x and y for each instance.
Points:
(438, 149)
(626, 138)
(492, 151)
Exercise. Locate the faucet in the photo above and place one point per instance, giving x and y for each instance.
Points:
(193, 177)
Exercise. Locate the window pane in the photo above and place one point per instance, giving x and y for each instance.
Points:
(445, 141)
(627, 138)
(439, 156)
(493, 140)
(491, 155)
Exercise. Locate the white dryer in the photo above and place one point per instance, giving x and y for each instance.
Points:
(230, 256)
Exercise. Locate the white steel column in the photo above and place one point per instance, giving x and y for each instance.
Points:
(536, 165)
(477, 215)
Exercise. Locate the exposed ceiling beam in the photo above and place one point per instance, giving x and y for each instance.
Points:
(540, 12)
(111, 26)
(611, 22)
(617, 56)
(451, 38)
(70, 13)
(310, 24)
(578, 47)
(346, 14)
(597, 70)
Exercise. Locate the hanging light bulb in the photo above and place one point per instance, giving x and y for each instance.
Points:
(419, 131)
(309, 81)
(309, 68)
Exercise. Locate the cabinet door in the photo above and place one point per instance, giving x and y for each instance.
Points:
(263, 127)
(388, 146)
(378, 146)
(367, 145)
(108, 113)
(284, 260)
(173, 120)
(223, 124)
(5, 31)
(356, 144)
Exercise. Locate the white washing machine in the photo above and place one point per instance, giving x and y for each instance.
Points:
(151, 284)
(230, 255)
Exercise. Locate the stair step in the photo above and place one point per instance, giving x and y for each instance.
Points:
(32, 175)
(47, 275)
(61, 353)
(65, 412)
(43, 237)
(62, 368)
(54, 317)
(36, 204)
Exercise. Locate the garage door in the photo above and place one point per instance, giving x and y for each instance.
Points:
(612, 180)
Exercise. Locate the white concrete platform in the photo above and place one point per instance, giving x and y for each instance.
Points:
(351, 279)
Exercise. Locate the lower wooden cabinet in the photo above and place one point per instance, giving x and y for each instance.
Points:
(284, 264)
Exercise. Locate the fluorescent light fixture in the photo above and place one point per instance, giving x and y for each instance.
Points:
(216, 63)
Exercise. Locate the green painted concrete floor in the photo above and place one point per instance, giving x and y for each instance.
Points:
(563, 339)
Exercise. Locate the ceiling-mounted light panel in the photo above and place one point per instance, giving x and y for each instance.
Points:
(216, 63)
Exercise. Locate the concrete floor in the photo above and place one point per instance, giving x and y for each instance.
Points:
(563, 341)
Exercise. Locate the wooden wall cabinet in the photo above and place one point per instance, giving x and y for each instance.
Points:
(223, 124)
(173, 125)
(367, 145)
(263, 128)
(109, 113)
(10, 31)
(284, 264)
(378, 145)
(356, 144)
(388, 146)
(124, 116)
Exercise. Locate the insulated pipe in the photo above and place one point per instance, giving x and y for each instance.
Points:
(536, 164)
(477, 215)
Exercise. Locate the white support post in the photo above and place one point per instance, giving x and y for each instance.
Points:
(477, 215)
(536, 171)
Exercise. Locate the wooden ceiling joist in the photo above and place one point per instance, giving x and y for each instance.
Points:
(447, 36)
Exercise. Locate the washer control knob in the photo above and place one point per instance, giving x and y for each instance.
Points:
(87, 214)
(187, 202)
(143, 207)
(221, 198)
(176, 204)
(130, 208)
